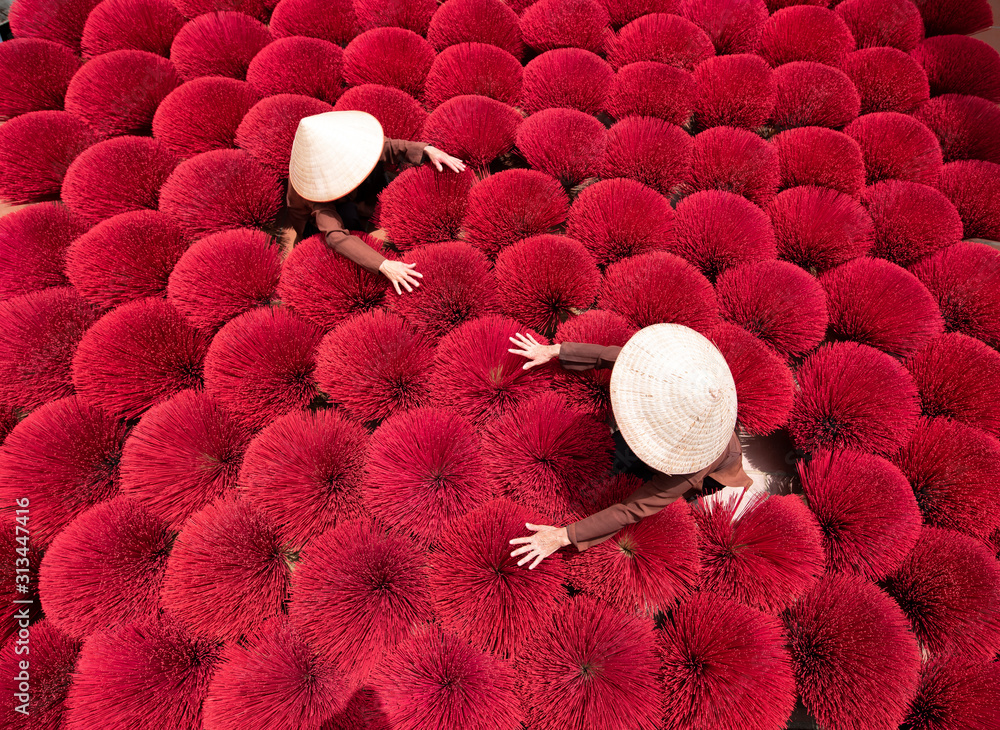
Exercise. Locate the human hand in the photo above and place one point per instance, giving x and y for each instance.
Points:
(399, 273)
(536, 352)
(542, 544)
(439, 158)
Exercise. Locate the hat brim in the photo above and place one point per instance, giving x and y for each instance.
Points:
(674, 398)
(333, 153)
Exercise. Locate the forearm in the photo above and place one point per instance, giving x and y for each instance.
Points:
(583, 356)
(403, 153)
(644, 502)
(356, 250)
(604, 525)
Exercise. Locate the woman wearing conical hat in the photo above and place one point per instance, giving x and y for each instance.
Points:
(336, 170)
(674, 401)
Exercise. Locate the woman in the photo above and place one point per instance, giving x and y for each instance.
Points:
(336, 171)
(674, 401)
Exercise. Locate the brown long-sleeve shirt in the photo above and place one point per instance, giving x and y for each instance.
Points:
(660, 491)
(396, 152)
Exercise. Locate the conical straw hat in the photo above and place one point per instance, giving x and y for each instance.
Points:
(674, 398)
(333, 153)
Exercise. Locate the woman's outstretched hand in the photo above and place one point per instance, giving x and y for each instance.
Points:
(535, 351)
(399, 273)
(542, 544)
(439, 158)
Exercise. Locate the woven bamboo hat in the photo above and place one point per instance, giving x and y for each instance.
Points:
(674, 398)
(333, 153)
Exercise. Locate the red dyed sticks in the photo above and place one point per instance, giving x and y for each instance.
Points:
(716, 230)
(423, 205)
(356, 594)
(475, 374)
(35, 75)
(275, 682)
(964, 280)
(877, 303)
(424, 470)
(203, 114)
(819, 228)
(105, 568)
(765, 389)
(542, 279)
(221, 189)
(124, 258)
(512, 205)
(118, 92)
(303, 472)
(35, 150)
(435, 679)
(765, 558)
(952, 373)
(865, 508)
(39, 332)
(724, 665)
(136, 356)
(260, 365)
(181, 455)
(954, 470)
(457, 286)
(218, 44)
(618, 218)
(947, 587)
(910, 220)
(228, 572)
(856, 662)
(64, 458)
(33, 242)
(648, 565)
(590, 666)
(296, 65)
(142, 675)
(546, 455)
(659, 287)
(853, 396)
(478, 589)
(777, 302)
(224, 275)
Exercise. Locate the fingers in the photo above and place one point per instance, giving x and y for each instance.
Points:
(521, 340)
(525, 559)
(522, 550)
(539, 559)
(396, 284)
(437, 164)
(530, 364)
(537, 527)
(406, 284)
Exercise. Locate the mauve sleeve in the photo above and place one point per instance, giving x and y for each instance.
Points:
(402, 153)
(659, 492)
(337, 237)
(583, 356)
(297, 212)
